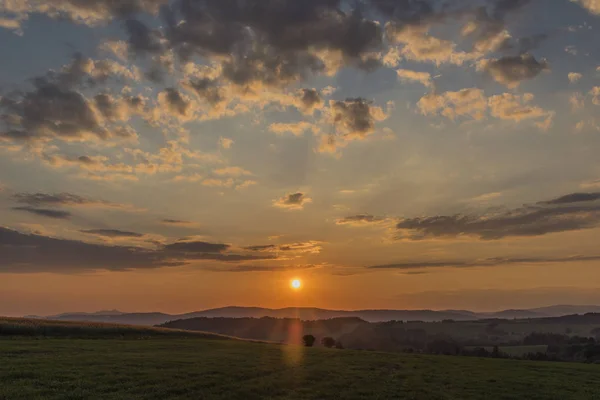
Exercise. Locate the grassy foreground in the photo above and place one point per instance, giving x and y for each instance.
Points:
(199, 368)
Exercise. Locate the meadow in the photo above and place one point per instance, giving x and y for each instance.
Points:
(159, 364)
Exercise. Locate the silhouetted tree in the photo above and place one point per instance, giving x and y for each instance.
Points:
(308, 340)
(328, 342)
(495, 352)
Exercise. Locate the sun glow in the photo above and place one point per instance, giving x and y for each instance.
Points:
(296, 284)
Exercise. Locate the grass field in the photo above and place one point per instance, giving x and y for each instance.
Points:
(198, 368)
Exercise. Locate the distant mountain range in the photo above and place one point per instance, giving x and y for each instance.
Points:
(306, 313)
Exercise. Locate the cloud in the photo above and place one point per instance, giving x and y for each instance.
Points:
(29, 253)
(595, 93)
(409, 75)
(574, 76)
(295, 128)
(512, 70)
(309, 100)
(472, 103)
(197, 247)
(484, 262)
(261, 268)
(355, 117)
(293, 201)
(417, 44)
(468, 102)
(573, 198)
(176, 222)
(82, 12)
(577, 101)
(225, 143)
(361, 220)
(45, 212)
(572, 212)
(516, 107)
(55, 109)
(112, 233)
(593, 6)
(175, 103)
(484, 198)
(218, 182)
(232, 171)
(66, 199)
(312, 246)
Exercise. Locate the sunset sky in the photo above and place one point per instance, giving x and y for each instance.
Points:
(180, 155)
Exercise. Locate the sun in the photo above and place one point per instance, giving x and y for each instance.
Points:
(296, 284)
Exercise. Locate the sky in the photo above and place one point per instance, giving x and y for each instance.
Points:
(181, 155)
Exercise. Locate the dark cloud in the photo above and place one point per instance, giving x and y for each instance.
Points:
(175, 102)
(360, 219)
(197, 247)
(266, 247)
(176, 222)
(485, 262)
(55, 108)
(355, 117)
(63, 199)
(568, 213)
(143, 40)
(27, 253)
(299, 247)
(260, 268)
(207, 89)
(511, 70)
(309, 100)
(293, 201)
(35, 253)
(113, 233)
(45, 212)
(49, 111)
(574, 198)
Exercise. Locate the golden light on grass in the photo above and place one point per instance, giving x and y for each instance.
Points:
(296, 284)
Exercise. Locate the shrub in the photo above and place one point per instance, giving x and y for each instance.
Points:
(308, 340)
(328, 342)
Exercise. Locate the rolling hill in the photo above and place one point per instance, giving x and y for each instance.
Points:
(308, 313)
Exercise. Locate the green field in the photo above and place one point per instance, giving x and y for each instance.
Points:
(199, 368)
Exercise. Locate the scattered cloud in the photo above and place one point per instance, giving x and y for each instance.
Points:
(593, 6)
(293, 201)
(232, 171)
(197, 247)
(361, 220)
(176, 222)
(66, 199)
(484, 198)
(577, 101)
(112, 233)
(409, 75)
(472, 103)
(574, 76)
(45, 212)
(468, 102)
(295, 128)
(225, 143)
(595, 93)
(313, 247)
(511, 71)
(572, 212)
(484, 262)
